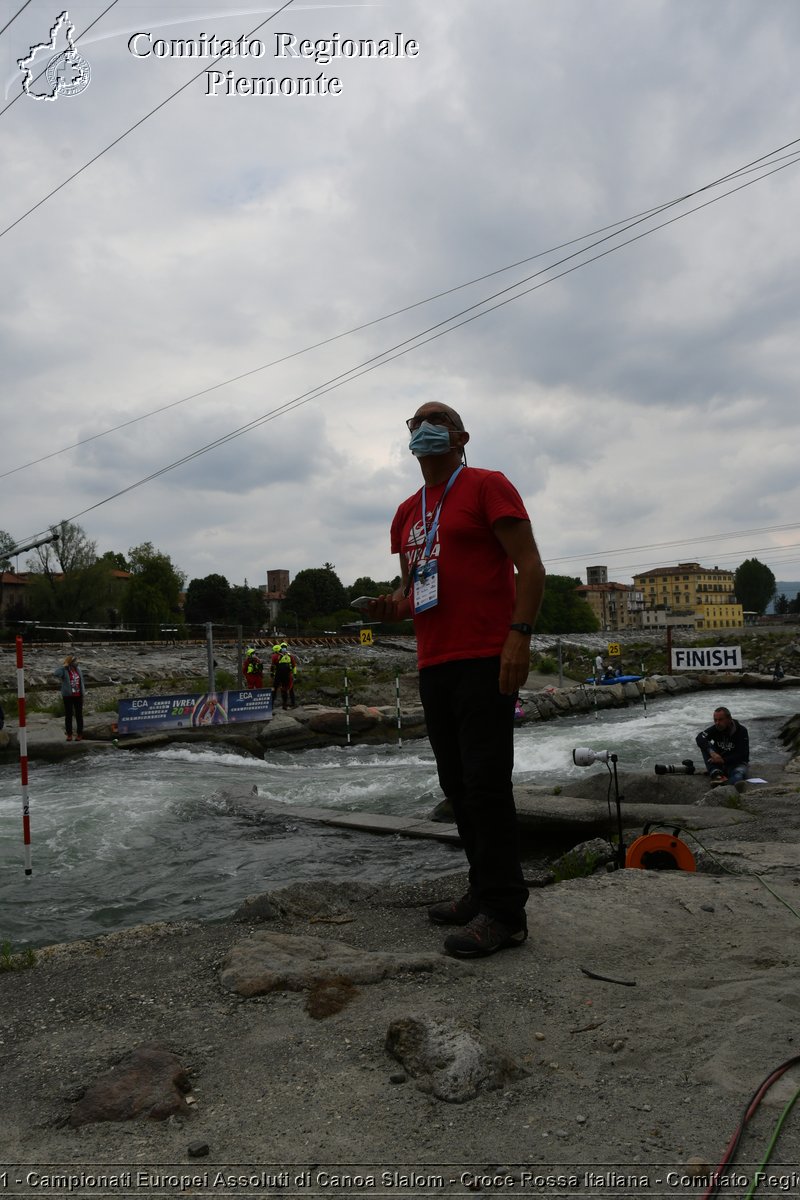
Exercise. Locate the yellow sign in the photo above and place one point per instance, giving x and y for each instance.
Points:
(366, 637)
(614, 649)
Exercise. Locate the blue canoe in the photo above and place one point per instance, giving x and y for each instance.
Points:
(616, 679)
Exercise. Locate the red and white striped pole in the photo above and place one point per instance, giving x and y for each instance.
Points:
(23, 758)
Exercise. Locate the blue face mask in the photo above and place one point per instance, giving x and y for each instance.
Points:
(430, 439)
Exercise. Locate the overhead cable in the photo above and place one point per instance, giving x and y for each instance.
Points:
(710, 537)
(36, 78)
(641, 568)
(627, 222)
(11, 20)
(413, 343)
(136, 124)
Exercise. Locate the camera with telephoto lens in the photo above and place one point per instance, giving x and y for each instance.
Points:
(686, 768)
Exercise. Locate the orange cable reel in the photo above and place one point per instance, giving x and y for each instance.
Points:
(660, 852)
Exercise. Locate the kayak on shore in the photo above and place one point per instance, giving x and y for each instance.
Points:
(615, 679)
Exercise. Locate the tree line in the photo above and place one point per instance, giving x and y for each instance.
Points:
(69, 583)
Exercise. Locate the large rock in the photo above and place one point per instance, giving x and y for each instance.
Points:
(150, 1081)
(270, 962)
(335, 722)
(449, 1057)
(323, 900)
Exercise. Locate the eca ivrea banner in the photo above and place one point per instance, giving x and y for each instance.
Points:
(193, 712)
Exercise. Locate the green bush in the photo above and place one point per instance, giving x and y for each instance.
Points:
(39, 703)
(15, 962)
(547, 665)
(576, 864)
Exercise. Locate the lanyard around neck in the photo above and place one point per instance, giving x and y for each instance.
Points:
(430, 535)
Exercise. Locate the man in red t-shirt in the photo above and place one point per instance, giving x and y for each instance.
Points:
(460, 538)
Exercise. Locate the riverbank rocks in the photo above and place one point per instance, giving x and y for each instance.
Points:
(128, 671)
(337, 722)
(583, 859)
(790, 735)
(323, 901)
(449, 1058)
(270, 962)
(149, 1081)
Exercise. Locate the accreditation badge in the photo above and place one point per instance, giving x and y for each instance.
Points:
(426, 585)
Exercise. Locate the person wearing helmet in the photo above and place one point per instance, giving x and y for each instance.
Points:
(283, 667)
(253, 669)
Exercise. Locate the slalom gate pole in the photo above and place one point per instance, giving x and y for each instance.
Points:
(397, 703)
(644, 690)
(347, 707)
(212, 683)
(23, 758)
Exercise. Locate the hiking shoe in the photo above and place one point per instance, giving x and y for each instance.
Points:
(715, 774)
(79, 738)
(484, 935)
(454, 912)
(69, 737)
(718, 778)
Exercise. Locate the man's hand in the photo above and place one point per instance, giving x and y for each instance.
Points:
(716, 758)
(515, 662)
(388, 608)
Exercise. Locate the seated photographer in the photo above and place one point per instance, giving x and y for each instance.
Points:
(725, 747)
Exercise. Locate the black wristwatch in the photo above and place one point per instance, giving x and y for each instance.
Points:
(522, 627)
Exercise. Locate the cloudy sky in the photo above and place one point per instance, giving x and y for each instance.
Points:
(645, 404)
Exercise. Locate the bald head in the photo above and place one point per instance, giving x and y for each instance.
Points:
(435, 406)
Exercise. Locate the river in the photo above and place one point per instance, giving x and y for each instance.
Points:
(130, 837)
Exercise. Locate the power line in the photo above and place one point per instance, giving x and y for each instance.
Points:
(773, 552)
(13, 19)
(36, 78)
(627, 222)
(136, 124)
(405, 347)
(324, 342)
(414, 343)
(710, 537)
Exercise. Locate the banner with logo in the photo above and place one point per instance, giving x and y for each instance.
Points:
(707, 658)
(148, 713)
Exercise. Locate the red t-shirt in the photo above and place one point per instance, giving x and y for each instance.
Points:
(476, 576)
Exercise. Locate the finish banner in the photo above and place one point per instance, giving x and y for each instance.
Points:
(707, 658)
(194, 712)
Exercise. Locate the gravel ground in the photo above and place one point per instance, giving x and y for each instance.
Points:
(622, 1086)
(635, 1079)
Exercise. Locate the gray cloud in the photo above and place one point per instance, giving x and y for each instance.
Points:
(646, 397)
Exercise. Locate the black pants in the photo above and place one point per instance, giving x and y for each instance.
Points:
(73, 704)
(471, 729)
(284, 681)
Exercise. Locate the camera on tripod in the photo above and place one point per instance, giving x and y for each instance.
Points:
(686, 768)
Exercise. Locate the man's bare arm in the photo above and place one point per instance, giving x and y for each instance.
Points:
(516, 538)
